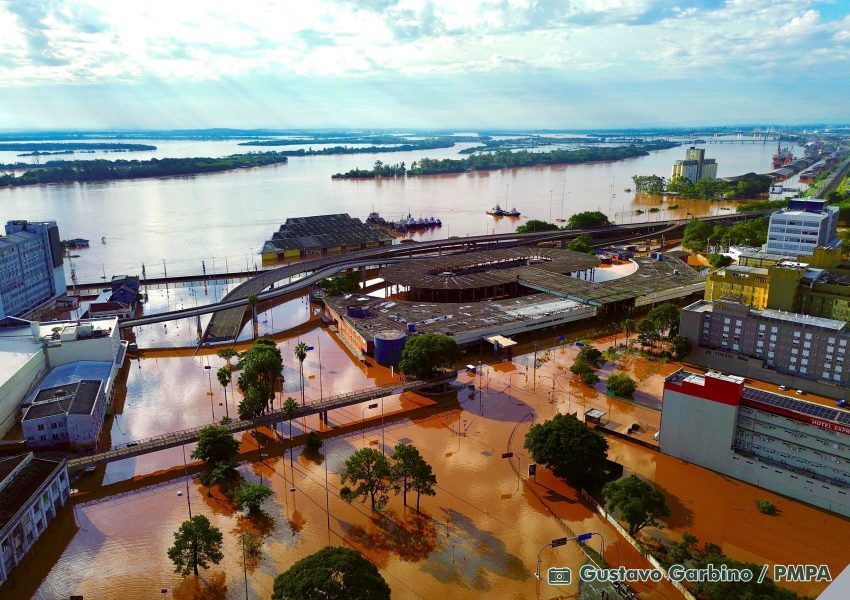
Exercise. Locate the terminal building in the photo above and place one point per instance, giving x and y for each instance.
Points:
(797, 446)
(695, 166)
(32, 491)
(803, 226)
(31, 266)
(323, 235)
(784, 348)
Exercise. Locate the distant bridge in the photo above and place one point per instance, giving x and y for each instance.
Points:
(187, 436)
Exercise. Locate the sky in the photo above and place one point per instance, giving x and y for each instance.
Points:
(559, 64)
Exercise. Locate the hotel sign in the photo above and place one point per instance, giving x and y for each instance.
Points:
(830, 425)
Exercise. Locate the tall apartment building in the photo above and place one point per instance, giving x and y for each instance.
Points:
(803, 226)
(31, 266)
(32, 490)
(782, 347)
(793, 445)
(695, 166)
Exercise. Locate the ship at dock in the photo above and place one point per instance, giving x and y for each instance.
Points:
(783, 157)
(403, 225)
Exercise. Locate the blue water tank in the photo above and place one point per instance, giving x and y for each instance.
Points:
(388, 345)
(411, 327)
(358, 312)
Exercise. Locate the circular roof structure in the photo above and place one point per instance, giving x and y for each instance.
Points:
(484, 269)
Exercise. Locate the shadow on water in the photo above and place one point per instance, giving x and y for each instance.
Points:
(680, 515)
(467, 554)
(208, 586)
(411, 536)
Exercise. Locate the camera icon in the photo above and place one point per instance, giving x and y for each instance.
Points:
(559, 576)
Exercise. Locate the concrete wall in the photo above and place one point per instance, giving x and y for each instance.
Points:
(697, 430)
(97, 349)
(15, 389)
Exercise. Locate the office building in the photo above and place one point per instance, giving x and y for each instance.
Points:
(31, 267)
(323, 235)
(32, 490)
(695, 166)
(803, 226)
(773, 345)
(798, 446)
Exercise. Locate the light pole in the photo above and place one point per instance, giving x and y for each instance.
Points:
(208, 369)
(363, 417)
(557, 542)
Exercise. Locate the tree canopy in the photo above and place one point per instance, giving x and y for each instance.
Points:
(332, 573)
(581, 244)
(410, 471)
(533, 225)
(260, 366)
(196, 544)
(620, 384)
(341, 284)
(638, 502)
(370, 473)
(250, 496)
(424, 354)
(215, 445)
(568, 447)
(588, 218)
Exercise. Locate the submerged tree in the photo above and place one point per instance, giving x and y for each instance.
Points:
(370, 473)
(332, 573)
(196, 544)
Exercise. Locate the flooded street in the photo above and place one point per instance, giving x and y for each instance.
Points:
(224, 218)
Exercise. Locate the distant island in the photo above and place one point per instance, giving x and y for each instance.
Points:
(445, 141)
(366, 149)
(502, 159)
(61, 171)
(53, 146)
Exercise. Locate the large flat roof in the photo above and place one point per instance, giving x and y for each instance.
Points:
(324, 231)
(74, 399)
(19, 490)
(770, 313)
(17, 348)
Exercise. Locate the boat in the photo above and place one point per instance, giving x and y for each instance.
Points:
(496, 211)
(783, 157)
(103, 240)
(512, 212)
(375, 218)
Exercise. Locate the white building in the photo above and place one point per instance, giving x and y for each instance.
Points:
(801, 227)
(32, 490)
(31, 266)
(695, 166)
(794, 445)
(55, 354)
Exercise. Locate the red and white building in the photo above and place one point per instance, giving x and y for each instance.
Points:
(788, 444)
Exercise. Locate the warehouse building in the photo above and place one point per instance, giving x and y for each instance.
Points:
(794, 445)
(323, 235)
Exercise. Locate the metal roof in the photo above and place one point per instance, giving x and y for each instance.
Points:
(323, 231)
(799, 406)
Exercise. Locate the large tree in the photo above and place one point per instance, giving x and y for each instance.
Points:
(536, 225)
(410, 471)
(215, 445)
(196, 544)
(423, 354)
(666, 318)
(697, 234)
(370, 473)
(638, 502)
(250, 496)
(620, 384)
(301, 350)
(260, 367)
(568, 447)
(588, 218)
(332, 573)
(423, 480)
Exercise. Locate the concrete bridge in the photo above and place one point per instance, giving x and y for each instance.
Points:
(187, 436)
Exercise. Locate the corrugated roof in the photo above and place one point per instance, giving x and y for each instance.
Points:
(323, 231)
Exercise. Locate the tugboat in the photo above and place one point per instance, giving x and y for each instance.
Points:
(512, 213)
(496, 211)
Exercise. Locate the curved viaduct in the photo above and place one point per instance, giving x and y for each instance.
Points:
(230, 310)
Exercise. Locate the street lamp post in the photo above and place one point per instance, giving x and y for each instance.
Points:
(208, 369)
(557, 542)
(363, 417)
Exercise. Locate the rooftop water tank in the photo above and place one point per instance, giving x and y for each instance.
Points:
(358, 312)
(388, 345)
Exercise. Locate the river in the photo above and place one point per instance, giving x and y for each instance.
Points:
(224, 218)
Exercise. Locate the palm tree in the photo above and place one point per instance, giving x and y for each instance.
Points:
(225, 376)
(629, 326)
(301, 354)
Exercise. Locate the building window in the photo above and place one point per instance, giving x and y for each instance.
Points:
(41, 426)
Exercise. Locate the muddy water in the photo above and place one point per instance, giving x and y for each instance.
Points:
(224, 218)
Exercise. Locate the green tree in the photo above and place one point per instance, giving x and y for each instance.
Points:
(423, 355)
(260, 367)
(535, 225)
(215, 445)
(571, 449)
(252, 303)
(666, 318)
(648, 334)
(680, 347)
(227, 354)
(407, 464)
(369, 472)
(224, 376)
(301, 354)
(423, 480)
(718, 261)
(581, 366)
(196, 544)
(621, 385)
(696, 234)
(333, 573)
(638, 502)
(341, 284)
(581, 244)
(648, 184)
(586, 219)
(723, 590)
(766, 507)
(290, 409)
(591, 354)
(250, 496)
(629, 328)
(312, 441)
(222, 473)
(684, 550)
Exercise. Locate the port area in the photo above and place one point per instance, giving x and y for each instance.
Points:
(477, 537)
